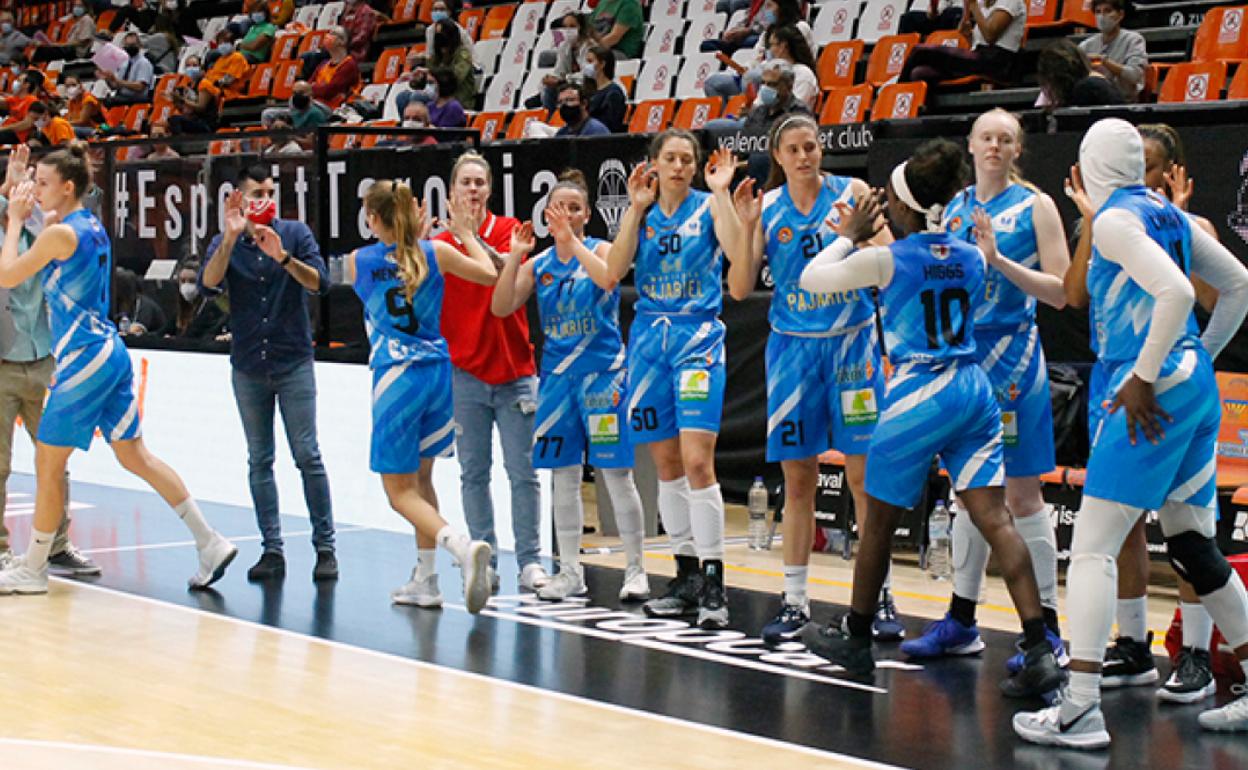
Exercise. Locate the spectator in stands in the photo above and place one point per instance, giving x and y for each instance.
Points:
(258, 41)
(995, 29)
(570, 57)
(134, 312)
(746, 32)
(789, 44)
(161, 150)
(133, 83)
(360, 21)
(226, 78)
(446, 111)
(450, 53)
(198, 317)
(337, 76)
(137, 15)
(1120, 54)
(415, 115)
(776, 97)
(619, 25)
(729, 7)
(17, 125)
(574, 109)
(287, 146)
(84, 111)
(78, 42)
(51, 130)
(776, 14)
(1067, 80)
(183, 23)
(163, 44)
(193, 68)
(940, 14)
(609, 102)
(305, 112)
(12, 41)
(445, 10)
(195, 111)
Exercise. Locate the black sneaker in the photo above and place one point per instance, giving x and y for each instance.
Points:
(326, 566)
(683, 595)
(1129, 663)
(834, 644)
(1191, 681)
(713, 610)
(787, 624)
(272, 565)
(1039, 675)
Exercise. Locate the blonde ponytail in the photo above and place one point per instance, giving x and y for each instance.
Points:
(395, 205)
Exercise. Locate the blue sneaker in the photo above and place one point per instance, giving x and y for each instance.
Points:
(787, 624)
(944, 637)
(1015, 663)
(886, 627)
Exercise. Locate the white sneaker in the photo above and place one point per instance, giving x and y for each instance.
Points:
(533, 577)
(213, 559)
(418, 592)
(1083, 730)
(569, 582)
(20, 579)
(477, 576)
(636, 586)
(8, 559)
(1231, 718)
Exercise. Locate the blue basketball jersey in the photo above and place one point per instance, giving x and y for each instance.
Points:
(790, 240)
(927, 308)
(679, 265)
(77, 288)
(399, 329)
(1005, 305)
(580, 321)
(1121, 309)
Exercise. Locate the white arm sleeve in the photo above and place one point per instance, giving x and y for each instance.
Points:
(1120, 237)
(837, 269)
(1221, 269)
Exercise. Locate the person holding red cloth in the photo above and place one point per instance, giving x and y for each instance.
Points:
(494, 383)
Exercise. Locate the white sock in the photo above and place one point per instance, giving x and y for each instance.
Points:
(454, 542)
(1197, 626)
(1133, 618)
(706, 515)
(1228, 606)
(1091, 606)
(1041, 539)
(674, 508)
(40, 547)
(970, 556)
(569, 514)
(888, 579)
(194, 520)
(426, 563)
(1085, 688)
(795, 584)
(626, 502)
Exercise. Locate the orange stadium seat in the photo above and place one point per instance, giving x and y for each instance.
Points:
(838, 63)
(389, 65)
(490, 124)
(1221, 36)
(889, 56)
(694, 113)
(285, 46)
(313, 41)
(737, 105)
(520, 121)
(135, 115)
(1238, 89)
(1078, 13)
(899, 100)
(1193, 82)
(284, 79)
(1043, 13)
(947, 37)
(406, 11)
(846, 104)
(652, 116)
(166, 84)
(470, 19)
(496, 22)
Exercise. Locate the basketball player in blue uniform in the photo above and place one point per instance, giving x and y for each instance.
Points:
(677, 236)
(939, 401)
(581, 400)
(399, 280)
(824, 378)
(1156, 447)
(1032, 259)
(93, 386)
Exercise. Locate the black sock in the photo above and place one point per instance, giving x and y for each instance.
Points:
(962, 610)
(1033, 633)
(686, 566)
(1050, 620)
(859, 625)
(713, 571)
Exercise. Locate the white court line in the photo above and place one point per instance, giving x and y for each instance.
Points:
(215, 762)
(526, 688)
(28, 509)
(185, 543)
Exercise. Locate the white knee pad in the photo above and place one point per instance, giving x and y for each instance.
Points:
(1041, 539)
(970, 556)
(1102, 526)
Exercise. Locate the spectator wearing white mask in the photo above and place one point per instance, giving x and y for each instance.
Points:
(1119, 54)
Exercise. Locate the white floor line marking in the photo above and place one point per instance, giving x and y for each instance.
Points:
(526, 688)
(28, 509)
(186, 543)
(147, 754)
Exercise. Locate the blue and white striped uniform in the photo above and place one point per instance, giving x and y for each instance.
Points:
(1181, 467)
(93, 386)
(581, 403)
(939, 401)
(823, 354)
(676, 345)
(413, 417)
(1007, 340)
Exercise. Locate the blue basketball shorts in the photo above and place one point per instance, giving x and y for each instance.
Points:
(580, 418)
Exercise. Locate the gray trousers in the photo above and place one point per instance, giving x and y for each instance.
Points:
(23, 388)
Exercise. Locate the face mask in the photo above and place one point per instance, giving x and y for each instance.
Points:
(1111, 156)
(42, 123)
(301, 102)
(194, 72)
(257, 18)
(1106, 22)
(171, 5)
(189, 291)
(438, 16)
(589, 72)
(414, 124)
(571, 113)
(570, 34)
(132, 50)
(74, 92)
(768, 18)
(6, 27)
(79, 11)
(226, 49)
(261, 211)
(767, 95)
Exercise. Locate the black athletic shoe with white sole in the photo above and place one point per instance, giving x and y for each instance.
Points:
(1129, 663)
(1191, 681)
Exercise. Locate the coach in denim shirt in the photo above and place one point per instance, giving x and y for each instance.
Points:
(269, 265)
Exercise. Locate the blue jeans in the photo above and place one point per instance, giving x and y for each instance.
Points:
(295, 393)
(478, 408)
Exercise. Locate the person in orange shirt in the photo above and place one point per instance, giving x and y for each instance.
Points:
(15, 129)
(53, 130)
(226, 78)
(336, 77)
(83, 110)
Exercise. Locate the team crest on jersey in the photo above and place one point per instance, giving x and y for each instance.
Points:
(859, 407)
(547, 279)
(1005, 223)
(604, 429)
(1013, 391)
(955, 224)
(939, 250)
(785, 235)
(692, 227)
(695, 385)
(649, 232)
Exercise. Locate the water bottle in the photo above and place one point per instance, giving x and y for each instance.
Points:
(938, 555)
(123, 325)
(757, 504)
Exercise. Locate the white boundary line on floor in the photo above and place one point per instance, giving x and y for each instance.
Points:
(212, 762)
(191, 543)
(526, 688)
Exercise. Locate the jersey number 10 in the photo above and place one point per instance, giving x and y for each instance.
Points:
(944, 326)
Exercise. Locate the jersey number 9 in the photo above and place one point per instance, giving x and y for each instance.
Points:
(401, 310)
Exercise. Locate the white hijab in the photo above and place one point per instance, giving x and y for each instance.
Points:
(1110, 157)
